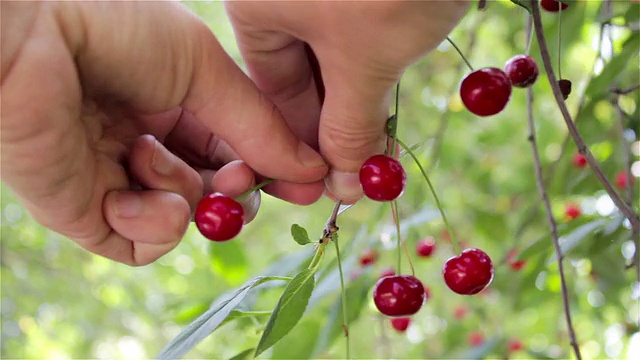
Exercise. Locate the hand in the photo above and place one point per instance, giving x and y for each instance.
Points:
(79, 82)
(361, 47)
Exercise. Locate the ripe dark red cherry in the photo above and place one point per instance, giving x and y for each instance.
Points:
(425, 247)
(382, 178)
(515, 345)
(468, 273)
(475, 338)
(623, 180)
(368, 257)
(522, 70)
(219, 217)
(565, 88)
(399, 295)
(515, 265)
(401, 324)
(486, 91)
(387, 272)
(579, 160)
(553, 5)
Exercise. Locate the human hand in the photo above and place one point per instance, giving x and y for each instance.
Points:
(79, 82)
(362, 48)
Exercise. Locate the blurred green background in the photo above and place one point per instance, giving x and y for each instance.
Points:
(59, 301)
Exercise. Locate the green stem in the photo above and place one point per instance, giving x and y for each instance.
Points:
(460, 53)
(255, 188)
(396, 220)
(345, 317)
(394, 135)
(435, 196)
(559, 39)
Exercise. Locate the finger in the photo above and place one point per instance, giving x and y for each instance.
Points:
(352, 126)
(146, 225)
(198, 75)
(154, 167)
(296, 193)
(234, 180)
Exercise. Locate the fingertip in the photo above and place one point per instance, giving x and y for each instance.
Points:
(344, 186)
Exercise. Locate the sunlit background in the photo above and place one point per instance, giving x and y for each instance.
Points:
(60, 302)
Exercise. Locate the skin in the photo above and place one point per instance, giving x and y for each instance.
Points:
(340, 104)
(111, 134)
(91, 125)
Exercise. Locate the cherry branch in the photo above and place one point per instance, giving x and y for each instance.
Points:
(552, 223)
(577, 138)
(629, 90)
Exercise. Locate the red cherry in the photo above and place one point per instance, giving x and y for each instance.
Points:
(468, 273)
(460, 312)
(219, 217)
(579, 160)
(572, 211)
(399, 295)
(426, 247)
(475, 338)
(401, 324)
(368, 257)
(387, 272)
(485, 91)
(522, 70)
(515, 345)
(382, 178)
(515, 265)
(623, 179)
(553, 5)
(565, 88)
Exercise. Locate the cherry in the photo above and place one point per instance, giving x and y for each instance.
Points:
(572, 212)
(399, 295)
(475, 338)
(401, 324)
(426, 247)
(485, 91)
(460, 312)
(219, 217)
(522, 70)
(368, 257)
(515, 345)
(623, 179)
(382, 178)
(515, 265)
(579, 160)
(565, 88)
(553, 5)
(468, 273)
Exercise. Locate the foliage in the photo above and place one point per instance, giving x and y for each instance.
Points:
(59, 301)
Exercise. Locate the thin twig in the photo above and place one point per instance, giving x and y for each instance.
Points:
(629, 90)
(552, 222)
(577, 138)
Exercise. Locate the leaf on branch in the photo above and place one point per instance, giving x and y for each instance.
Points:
(300, 234)
(614, 68)
(237, 314)
(244, 355)
(208, 322)
(289, 309)
(570, 241)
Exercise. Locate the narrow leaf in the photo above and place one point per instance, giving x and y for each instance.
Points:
(614, 69)
(244, 355)
(300, 234)
(570, 241)
(236, 314)
(289, 309)
(204, 325)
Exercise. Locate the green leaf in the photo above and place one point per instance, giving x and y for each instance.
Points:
(244, 355)
(300, 234)
(570, 241)
(190, 312)
(289, 309)
(228, 261)
(614, 69)
(209, 321)
(536, 247)
(236, 314)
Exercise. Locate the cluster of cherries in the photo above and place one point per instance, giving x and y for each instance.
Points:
(399, 296)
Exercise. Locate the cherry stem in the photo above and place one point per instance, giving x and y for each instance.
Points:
(393, 133)
(327, 235)
(559, 39)
(435, 196)
(345, 317)
(401, 242)
(255, 188)
(460, 53)
(573, 130)
(552, 223)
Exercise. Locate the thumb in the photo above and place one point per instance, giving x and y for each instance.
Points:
(352, 127)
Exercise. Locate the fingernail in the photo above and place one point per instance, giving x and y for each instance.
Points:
(344, 185)
(128, 205)
(309, 157)
(161, 161)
